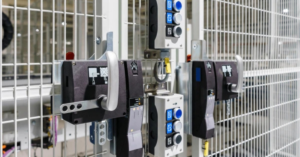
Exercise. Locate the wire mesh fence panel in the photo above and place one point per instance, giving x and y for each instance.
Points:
(43, 32)
(264, 120)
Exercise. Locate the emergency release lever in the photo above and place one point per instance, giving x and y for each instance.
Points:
(110, 102)
(238, 88)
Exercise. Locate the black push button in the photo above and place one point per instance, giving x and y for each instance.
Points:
(177, 138)
(177, 31)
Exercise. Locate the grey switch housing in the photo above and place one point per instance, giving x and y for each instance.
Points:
(226, 73)
(202, 82)
(167, 24)
(164, 138)
(82, 84)
(77, 86)
(196, 81)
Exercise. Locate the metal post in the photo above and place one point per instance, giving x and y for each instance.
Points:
(298, 76)
(198, 19)
(81, 31)
(41, 74)
(271, 93)
(28, 78)
(53, 63)
(59, 52)
(197, 33)
(123, 54)
(100, 30)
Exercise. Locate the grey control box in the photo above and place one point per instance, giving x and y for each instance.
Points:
(167, 24)
(166, 125)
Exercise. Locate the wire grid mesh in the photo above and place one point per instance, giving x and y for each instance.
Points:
(44, 30)
(264, 120)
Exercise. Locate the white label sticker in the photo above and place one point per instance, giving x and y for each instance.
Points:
(169, 31)
(169, 141)
(92, 72)
(169, 18)
(103, 72)
(169, 115)
(169, 4)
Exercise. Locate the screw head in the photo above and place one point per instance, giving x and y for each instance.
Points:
(98, 40)
(195, 46)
